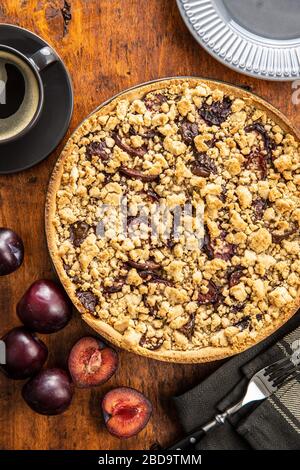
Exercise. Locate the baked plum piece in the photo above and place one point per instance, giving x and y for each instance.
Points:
(92, 362)
(126, 412)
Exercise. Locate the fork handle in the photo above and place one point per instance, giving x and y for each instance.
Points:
(189, 441)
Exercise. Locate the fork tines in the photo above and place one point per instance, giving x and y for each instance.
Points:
(281, 372)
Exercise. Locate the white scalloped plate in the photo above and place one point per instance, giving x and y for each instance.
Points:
(260, 38)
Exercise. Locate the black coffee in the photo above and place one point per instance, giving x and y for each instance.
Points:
(13, 91)
(19, 94)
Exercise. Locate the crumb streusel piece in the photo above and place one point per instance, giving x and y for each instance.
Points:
(183, 144)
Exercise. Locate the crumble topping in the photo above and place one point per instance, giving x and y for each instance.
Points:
(183, 144)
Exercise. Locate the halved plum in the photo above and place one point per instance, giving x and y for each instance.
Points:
(126, 411)
(92, 362)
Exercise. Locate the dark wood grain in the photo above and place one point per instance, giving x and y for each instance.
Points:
(108, 45)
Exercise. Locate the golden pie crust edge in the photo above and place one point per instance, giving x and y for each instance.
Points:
(207, 354)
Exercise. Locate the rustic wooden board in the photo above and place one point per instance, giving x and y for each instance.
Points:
(108, 46)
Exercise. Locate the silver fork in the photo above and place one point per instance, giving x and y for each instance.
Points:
(263, 384)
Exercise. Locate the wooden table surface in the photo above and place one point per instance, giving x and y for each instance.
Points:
(108, 46)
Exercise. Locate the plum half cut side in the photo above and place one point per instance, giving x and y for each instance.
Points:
(126, 412)
(92, 362)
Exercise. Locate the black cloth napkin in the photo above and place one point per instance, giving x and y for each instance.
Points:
(271, 424)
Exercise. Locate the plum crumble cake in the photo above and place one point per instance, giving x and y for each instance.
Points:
(170, 143)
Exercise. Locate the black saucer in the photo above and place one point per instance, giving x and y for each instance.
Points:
(54, 121)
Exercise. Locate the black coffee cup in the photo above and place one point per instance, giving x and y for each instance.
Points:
(21, 90)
